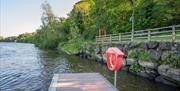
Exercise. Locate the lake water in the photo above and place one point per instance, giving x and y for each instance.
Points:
(24, 67)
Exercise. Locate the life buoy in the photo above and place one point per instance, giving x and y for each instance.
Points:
(114, 58)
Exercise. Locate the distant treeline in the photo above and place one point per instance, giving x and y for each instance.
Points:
(89, 18)
(7, 39)
(25, 38)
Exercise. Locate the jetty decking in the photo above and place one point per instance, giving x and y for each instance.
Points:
(80, 82)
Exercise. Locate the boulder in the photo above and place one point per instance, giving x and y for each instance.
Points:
(152, 45)
(130, 61)
(151, 72)
(177, 46)
(172, 73)
(132, 45)
(162, 79)
(155, 55)
(143, 74)
(125, 68)
(120, 46)
(98, 58)
(148, 64)
(165, 45)
(104, 58)
(144, 45)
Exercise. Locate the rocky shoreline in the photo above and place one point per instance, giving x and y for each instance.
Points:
(158, 61)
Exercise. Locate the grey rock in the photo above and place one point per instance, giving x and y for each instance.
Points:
(172, 73)
(98, 58)
(153, 73)
(132, 45)
(155, 55)
(148, 64)
(177, 46)
(144, 45)
(165, 45)
(125, 68)
(130, 61)
(152, 45)
(162, 79)
(104, 58)
(143, 74)
(120, 46)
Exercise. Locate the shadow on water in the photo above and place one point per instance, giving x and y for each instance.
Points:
(24, 67)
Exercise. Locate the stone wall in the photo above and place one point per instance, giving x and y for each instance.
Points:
(158, 61)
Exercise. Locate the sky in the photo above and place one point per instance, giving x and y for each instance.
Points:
(20, 16)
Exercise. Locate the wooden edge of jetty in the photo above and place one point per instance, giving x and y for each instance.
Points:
(80, 82)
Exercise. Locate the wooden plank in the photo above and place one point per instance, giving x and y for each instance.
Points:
(80, 82)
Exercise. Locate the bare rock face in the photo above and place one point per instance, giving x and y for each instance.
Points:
(165, 45)
(177, 46)
(98, 58)
(104, 58)
(132, 45)
(154, 54)
(151, 72)
(144, 45)
(152, 45)
(172, 73)
(130, 61)
(148, 64)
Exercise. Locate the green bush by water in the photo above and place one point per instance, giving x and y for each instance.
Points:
(71, 46)
(172, 59)
(144, 56)
(134, 53)
(135, 67)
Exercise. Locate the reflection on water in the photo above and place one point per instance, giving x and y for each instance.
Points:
(24, 67)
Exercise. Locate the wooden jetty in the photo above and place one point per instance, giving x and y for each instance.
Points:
(80, 82)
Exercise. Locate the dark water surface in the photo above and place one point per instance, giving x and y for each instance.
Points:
(23, 67)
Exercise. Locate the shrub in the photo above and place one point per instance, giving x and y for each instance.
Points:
(144, 56)
(70, 46)
(134, 53)
(135, 67)
(172, 59)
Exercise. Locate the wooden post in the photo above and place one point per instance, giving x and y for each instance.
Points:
(149, 35)
(173, 34)
(120, 37)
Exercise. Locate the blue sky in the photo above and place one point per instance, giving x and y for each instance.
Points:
(20, 16)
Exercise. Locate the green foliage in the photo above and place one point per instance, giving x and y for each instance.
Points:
(172, 59)
(134, 53)
(1, 37)
(144, 56)
(26, 37)
(70, 46)
(135, 67)
(8, 39)
(111, 16)
(52, 31)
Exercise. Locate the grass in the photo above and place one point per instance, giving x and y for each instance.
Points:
(70, 46)
(74, 46)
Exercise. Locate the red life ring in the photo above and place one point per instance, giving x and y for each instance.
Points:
(114, 58)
